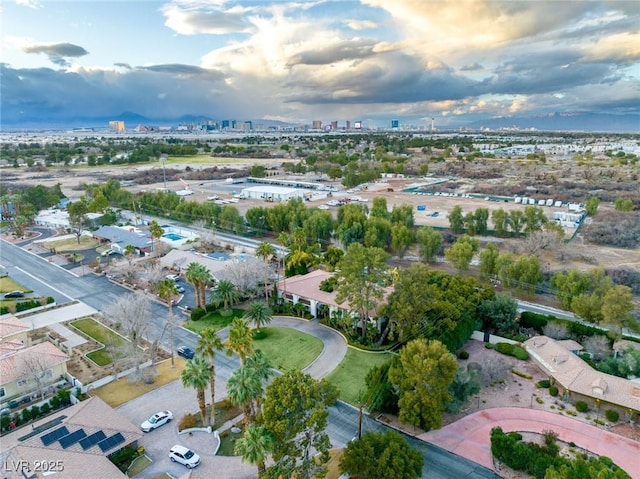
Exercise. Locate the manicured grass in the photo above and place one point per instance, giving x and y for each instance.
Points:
(213, 320)
(288, 348)
(119, 392)
(71, 244)
(100, 356)
(349, 376)
(138, 465)
(7, 284)
(228, 442)
(97, 331)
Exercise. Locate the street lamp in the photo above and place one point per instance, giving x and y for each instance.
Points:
(164, 173)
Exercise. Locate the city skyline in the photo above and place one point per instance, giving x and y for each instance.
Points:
(368, 60)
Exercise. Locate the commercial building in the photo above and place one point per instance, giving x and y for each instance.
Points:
(117, 126)
(272, 193)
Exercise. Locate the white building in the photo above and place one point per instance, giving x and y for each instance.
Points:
(272, 193)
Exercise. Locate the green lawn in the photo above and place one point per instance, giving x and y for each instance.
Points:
(228, 442)
(71, 244)
(213, 320)
(103, 335)
(139, 464)
(7, 284)
(288, 348)
(349, 376)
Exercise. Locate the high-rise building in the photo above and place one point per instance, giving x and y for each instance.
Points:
(348, 125)
(225, 124)
(395, 124)
(117, 126)
(316, 124)
(358, 125)
(334, 125)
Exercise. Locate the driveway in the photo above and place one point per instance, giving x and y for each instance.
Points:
(157, 443)
(470, 436)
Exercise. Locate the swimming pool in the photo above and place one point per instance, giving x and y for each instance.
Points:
(173, 237)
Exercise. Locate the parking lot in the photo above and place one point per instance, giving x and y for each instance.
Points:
(158, 442)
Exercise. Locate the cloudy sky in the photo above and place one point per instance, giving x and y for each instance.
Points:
(297, 61)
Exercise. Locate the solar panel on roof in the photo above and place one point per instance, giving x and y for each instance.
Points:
(110, 442)
(71, 439)
(92, 440)
(54, 435)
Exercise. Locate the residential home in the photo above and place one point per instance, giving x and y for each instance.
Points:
(76, 442)
(579, 380)
(121, 237)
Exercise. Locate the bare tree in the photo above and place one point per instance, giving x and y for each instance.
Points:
(131, 313)
(154, 274)
(598, 346)
(556, 331)
(33, 368)
(246, 275)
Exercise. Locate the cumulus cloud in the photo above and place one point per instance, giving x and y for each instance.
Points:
(179, 69)
(29, 3)
(57, 52)
(360, 24)
(215, 17)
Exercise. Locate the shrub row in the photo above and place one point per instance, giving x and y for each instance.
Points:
(512, 350)
(26, 305)
(62, 398)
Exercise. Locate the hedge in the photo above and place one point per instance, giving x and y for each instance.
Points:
(611, 415)
(197, 314)
(529, 319)
(512, 350)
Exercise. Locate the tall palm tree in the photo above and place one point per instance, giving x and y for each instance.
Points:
(156, 233)
(240, 340)
(208, 343)
(244, 388)
(167, 290)
(227, 292)
(196, 374)
(262, 368)
(258, 313)
(254, 446)
(199, 276)
(266, 251)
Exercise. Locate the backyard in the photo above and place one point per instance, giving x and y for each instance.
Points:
(104, 336)
(71, 244)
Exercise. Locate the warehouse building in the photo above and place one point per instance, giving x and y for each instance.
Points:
(271, 193)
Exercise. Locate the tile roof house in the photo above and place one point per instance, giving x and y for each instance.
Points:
(577, 377)
(120, 238)
(13, 328)
(76, 441)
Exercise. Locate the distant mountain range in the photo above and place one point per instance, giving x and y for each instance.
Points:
(595, 122)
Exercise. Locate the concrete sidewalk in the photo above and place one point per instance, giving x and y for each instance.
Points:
(71, 339)
(470, 436)
(57, 315)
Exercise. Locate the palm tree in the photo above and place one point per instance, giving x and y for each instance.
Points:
(262, 368)
(199, 276)
(208, 343)
(266, 251)
(254, 446)
(167, 290)
(240, 340)
(227, 292)
(244, 388)
(156, 233)
(196, 374)
(258, 313)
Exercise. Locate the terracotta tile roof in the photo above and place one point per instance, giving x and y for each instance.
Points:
(623, 344)
(577, 376)
(10, 346)
(10, 326)
(91, 415)
(10, 365)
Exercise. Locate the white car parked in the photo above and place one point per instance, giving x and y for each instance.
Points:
(157, 420)
(184, 456)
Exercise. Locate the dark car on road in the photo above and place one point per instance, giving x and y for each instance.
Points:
(14, 294)
(185, 352)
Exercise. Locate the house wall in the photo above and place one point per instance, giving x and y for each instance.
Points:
(22, 387)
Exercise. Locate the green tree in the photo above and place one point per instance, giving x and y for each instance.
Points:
(461, 252)
(243, 388)
(208, 343)
(591, 205)
(381, 455)
(480, 219)
(470, 224)
(254, 446)
(379, 208)
(362, 272)
(617, 306)
(488, 260)
(78, 217)
(196, 375)
(465, 385)
(456, 220)
(500, 221)
(377, 233)
(401, 239)
(588, 305)
(258, 171)
(568, 285)
(534, 219)
(199, 276)
(295, 412)
(332, 256)
(498, 314)
(429, 242)
(266, 252)
(156, 232)
(516, 221)
(226, 292)
(623, 204)
(403, 214)
(351, 224)
(167, 290)
(240, 340)
(258, 313)
(423, 375)
(380, 394)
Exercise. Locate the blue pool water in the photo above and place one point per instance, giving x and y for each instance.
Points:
(173, 237)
